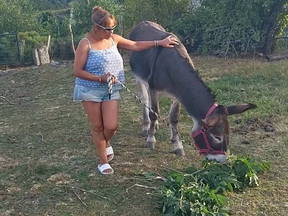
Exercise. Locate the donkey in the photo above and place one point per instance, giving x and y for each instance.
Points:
(171, 70)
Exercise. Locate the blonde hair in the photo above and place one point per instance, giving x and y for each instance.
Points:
(101, 16)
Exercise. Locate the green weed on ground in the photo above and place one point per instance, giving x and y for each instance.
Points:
(48, 164)
(202, 191)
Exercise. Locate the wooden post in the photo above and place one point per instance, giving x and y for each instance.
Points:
(36, 57)
(22, 49)
(70, 29)
(72, 38)
(41, 54)
(48, 42)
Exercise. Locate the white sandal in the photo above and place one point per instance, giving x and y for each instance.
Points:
(110, 153)
(103, 167)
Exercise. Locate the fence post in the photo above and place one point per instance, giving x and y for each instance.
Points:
(17, 41)
(22, 49)
(36, 57)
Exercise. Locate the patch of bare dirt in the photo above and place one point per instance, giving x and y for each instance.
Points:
(254, 124)
(6, 162)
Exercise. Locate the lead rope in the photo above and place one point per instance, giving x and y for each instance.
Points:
(138, 99)
(110, 86)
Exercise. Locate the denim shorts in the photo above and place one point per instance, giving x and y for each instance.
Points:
(83, 93)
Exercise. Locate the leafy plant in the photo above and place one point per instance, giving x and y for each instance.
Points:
(33, 38)
(202, 191)
(246, 171)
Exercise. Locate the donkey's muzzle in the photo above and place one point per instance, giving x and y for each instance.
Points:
(204, 146)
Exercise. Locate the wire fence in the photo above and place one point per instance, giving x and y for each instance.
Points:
(9, 49)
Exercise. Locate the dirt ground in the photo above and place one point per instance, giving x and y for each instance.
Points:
(48, 164)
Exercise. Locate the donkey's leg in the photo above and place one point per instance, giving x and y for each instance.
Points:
(174, 119)
(143, 89)
(150, 142)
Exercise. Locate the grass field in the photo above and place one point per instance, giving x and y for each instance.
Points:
(48, 164)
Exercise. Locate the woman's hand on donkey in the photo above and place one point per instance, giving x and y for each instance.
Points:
(168, 42)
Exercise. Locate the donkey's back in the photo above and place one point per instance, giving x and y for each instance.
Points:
(158, 66)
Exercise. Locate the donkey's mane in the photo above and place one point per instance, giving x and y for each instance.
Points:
(184, 54)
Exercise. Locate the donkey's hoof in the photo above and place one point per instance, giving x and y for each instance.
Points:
(156, 125)
(179, 152)
(150, 145)
(217, 157)
(150, 142)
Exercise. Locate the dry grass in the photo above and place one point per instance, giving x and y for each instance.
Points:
(48, 165)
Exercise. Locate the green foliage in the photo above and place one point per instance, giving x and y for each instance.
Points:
(29, 41)
(165, 12)
(33, 38)
(61, 48)
(283, 21)
(201, 24)
(8, 49)
(82, 12)
(206, 28)
(55, 22)
(202, 192)
(16, 16)
(50, 4)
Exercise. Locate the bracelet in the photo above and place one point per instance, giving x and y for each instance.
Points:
(156, 43)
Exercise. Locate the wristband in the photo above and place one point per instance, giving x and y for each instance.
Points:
(156, 43)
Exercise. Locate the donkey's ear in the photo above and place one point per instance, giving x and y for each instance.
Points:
(236, 109)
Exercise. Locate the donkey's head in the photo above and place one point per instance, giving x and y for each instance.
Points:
(212, 138)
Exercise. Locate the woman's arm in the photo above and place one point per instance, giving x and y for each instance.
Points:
(124, 43)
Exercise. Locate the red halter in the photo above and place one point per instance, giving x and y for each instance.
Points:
(201, 139)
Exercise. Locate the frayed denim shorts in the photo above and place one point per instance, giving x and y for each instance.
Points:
(83, 93)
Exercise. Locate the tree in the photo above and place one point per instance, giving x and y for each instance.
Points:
(82, 13)
(165, 12)
(274, 23)
(17, 15)
(232, 27)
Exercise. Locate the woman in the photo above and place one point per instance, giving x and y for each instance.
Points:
(96, 59)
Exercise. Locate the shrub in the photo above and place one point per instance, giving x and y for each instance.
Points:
(82, 13)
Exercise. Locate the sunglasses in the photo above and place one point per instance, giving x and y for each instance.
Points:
(107, 28)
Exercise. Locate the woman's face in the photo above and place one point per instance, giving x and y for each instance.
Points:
(106, 31)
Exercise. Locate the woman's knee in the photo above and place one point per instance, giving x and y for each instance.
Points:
(111, 128)
(97, 129)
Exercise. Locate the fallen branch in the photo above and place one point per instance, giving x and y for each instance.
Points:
(277, 58)
(103, 197)
(79, 198)
(173, 170)
(142, 186)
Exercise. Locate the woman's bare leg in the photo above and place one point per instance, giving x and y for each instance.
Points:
(93, 110)
(109, 111)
